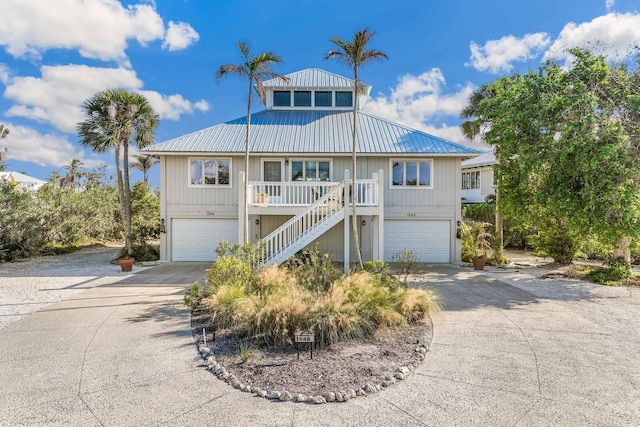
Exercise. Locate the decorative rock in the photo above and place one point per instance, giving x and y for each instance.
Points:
(225, 375)
(388, 383)
(236, 384)
(301, 398)
(330, 396)
(286, 396)
(423, 350)
(204, 350)
(261, 393)
(421, 357)
(352, 393)
(370, 388)
(378, 387)
(246, 389)
(400, 376)
(232, 378)
(403, 370)
(319, 400)
(339, 396)
(361, 392)
(274, 395)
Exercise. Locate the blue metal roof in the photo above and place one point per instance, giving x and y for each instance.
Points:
(290, 131)
(312, 78)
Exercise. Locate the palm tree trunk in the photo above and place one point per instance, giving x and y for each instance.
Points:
(246, 167)
(354, 164)
(499, 252)
(121, 198)
(128, 242)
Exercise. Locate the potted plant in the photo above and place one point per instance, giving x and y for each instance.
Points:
(126, 263)
(262, 198)
(478, 239)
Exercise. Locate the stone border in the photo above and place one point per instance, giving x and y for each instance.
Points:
(342, 395)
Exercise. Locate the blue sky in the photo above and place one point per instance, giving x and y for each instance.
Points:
(54, 54)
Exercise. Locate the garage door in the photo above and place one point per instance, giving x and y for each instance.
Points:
(430, 240)
(197, 239)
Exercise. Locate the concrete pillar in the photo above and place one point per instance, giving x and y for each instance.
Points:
(380, 231)
(241, 207)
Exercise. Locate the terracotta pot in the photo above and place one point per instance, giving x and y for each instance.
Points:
(126, 264)
(478, 263)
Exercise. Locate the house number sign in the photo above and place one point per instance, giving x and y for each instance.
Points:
(306, 338)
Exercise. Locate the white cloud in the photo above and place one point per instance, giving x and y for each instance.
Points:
(610, 35)
(56, 97)
(99, 29)
(498, 55)
(609, 4)
(419, 102)
(179, 36)
(27, 145)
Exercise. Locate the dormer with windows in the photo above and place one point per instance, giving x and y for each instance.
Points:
(313, 89)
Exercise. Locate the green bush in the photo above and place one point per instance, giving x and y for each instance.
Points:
(314, 270)
(407, 263)
(610, 276)
(555, 240)
(272, 304)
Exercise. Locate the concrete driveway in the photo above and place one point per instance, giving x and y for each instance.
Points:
(513, 351)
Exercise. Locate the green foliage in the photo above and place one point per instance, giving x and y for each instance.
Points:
(249, 253)
(406, 262)
(381, 273)
(21, 229)
(476, 239)
(145, 214)
(272, 304)
(314, 270)
(246, 351)
(515, 230)
(192, 296)
(567, 142)
(145, 252)
(610, 276)
(554, 239)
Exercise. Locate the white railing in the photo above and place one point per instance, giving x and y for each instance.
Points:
(264, 193)
(289, 236)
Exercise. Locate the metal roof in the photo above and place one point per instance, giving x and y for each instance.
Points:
(485, 159)
(20, 177)
(312, 78)
(290, 131)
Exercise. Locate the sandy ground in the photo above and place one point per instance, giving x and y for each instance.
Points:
(28, 286)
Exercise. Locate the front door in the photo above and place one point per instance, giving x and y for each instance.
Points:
(273, 171)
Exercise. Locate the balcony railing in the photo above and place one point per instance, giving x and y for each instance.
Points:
(264, 193)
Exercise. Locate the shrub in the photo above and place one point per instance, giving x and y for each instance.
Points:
(610, 276)
(145, 252)
(555, 240)
(273, 304)
(314, 270)
(192, 296)
(381, 274)
(407, 262)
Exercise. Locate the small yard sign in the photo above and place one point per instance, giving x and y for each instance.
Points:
(305, 338)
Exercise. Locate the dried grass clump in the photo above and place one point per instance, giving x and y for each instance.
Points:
(274, 303)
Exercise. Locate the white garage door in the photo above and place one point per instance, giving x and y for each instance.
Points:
(197, 239)
(430, 240)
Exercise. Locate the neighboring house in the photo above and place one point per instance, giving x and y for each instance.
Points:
(477, 178)
(408, 186)
(22, 181)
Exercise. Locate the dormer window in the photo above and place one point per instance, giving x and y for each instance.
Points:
(323, 98)
(344, 99)
(302, 98)
(281, 98)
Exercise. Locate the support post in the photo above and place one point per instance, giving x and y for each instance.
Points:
(241, 218)
(381, 186)
(347, 206)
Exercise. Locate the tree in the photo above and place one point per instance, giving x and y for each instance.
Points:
(567, 140)
(255, 69)
(115, 119)
(354, 54)
(144, 163)
(4, 132)
(73, 176)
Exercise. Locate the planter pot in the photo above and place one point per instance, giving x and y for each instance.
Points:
(263, 199)
(478, 263)
(126, 264)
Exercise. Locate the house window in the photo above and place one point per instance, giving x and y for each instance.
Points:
(281, 98)
(471, 180)
(323, 98)
(412, 173)
(206, 172)
(302, 98)
(310, 170)
(344, 99)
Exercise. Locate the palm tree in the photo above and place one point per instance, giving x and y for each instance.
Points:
(255, 69)
(354, 54)
(72, 177)
(114, 119)
(144, 163)
(55, 179)
(4, 132)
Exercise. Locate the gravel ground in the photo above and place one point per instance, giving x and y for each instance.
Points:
(28, 286)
